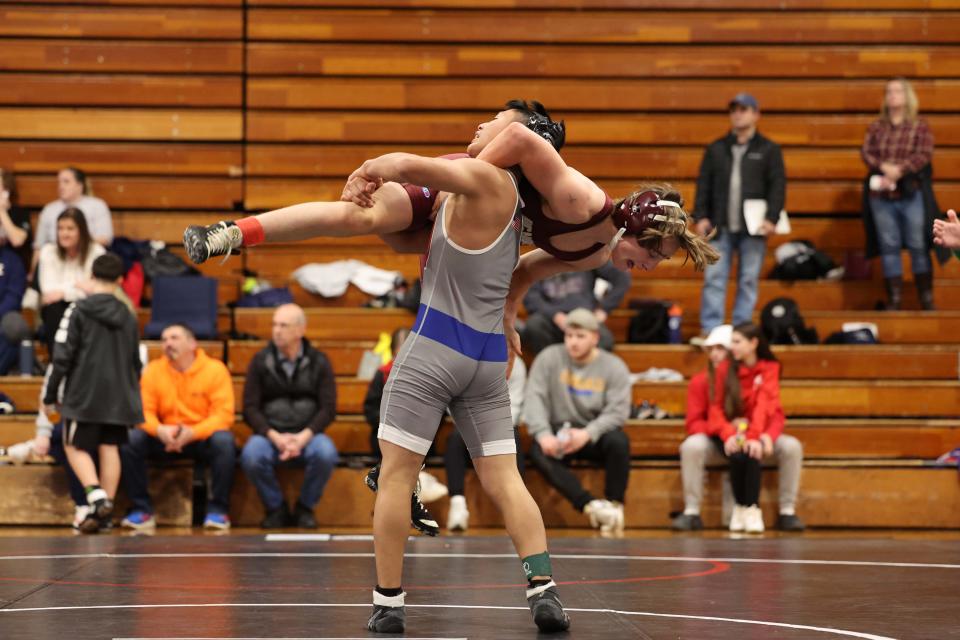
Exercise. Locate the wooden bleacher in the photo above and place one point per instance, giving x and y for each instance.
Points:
(188, 112)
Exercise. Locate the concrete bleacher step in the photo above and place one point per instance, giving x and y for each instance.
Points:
(884, 494)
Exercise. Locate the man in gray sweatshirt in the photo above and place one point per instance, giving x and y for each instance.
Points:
(577, 399)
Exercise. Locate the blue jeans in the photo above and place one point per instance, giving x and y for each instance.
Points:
(218, 451)
(714, 298)
(260, 458)
(901, 223)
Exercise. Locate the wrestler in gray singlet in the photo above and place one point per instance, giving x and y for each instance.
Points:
(456, 354)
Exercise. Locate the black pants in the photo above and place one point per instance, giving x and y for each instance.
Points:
(745, 473)
(611, 451)
(456, 458)
(540, 331)
(51, 315)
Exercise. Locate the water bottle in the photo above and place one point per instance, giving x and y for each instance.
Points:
(675, 319)
(563, 435)
(26, 357)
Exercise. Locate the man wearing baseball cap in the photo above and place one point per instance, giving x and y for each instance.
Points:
(577, 399)
(741, 166)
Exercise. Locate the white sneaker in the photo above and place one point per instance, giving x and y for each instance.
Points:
(431, 489)
(458, 517)
(80, 513)
(753, 519)
(603, 515)
(738, 518)
(615, 523)
(21, 452)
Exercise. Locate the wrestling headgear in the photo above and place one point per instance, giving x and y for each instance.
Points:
(644, 210)
(552, 132)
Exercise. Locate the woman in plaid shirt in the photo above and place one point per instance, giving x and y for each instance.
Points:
(897, 149)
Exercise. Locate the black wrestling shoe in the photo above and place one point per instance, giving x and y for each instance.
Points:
(372, 477)
(102, 509)
(203, 243)
(420, 518)
(547, 610)
(387, 619)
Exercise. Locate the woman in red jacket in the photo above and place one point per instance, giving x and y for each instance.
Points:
(745, 416)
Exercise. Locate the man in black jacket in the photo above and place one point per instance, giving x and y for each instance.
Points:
(289, 398)
(97, 354)
(741, 166)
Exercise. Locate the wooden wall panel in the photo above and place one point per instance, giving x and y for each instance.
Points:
(119, 56)
(66, 90)
(154, 23)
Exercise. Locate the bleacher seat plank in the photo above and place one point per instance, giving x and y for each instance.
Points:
(331, 324)
(609, 27)
(680, 163)
(417, 127)
(121, 22)
(626, 61)
(611, 96)
(72, 90)
(782, 5)
(135, 192)
(166, 226)
(803, 197)
(121, 124)
(862, 398)
(160, 158)
(121, 56)
(344, 355)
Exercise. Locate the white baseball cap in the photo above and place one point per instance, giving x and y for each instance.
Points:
(719, 336)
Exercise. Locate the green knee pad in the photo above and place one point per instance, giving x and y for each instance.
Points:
(537, 565)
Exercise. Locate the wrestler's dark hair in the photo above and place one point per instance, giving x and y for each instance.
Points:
(538, 120)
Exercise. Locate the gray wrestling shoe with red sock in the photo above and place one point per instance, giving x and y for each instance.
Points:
(220, 239)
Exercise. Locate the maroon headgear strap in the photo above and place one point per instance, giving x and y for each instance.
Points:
(645, 210)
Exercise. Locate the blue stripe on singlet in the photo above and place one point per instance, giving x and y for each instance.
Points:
(450, 332)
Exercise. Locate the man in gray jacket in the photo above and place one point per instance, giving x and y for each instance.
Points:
(578, 397)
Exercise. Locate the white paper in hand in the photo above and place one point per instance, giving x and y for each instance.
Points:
(754, 212)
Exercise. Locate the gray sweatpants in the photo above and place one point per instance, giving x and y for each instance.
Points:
(699, 450)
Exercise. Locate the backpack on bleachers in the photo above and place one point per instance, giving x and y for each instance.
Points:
(800, 260)
(782, 323)
(651, 324)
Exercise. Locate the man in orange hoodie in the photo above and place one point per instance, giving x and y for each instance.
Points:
(188, 407)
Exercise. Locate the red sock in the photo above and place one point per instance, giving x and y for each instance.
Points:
(252, 231)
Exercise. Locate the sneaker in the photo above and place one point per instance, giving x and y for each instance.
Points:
(458, 517)
(90, 524)
(431, 489)
(139, 521)
(687, 522)
(753, 519)
(738, 518)
(80, 513)
(790, 522)
(604, 515)
(372, 478)
(21, 452)
(304, 517)
(547, 610)
(102, 508)
(421, 519)
(219, 521)
(387, 619)
(220, 239)
(277, 518)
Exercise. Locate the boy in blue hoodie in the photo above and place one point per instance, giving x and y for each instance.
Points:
(96, 355)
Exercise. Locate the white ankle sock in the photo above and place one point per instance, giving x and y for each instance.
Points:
(96, 494)
(537, 590)
(788, 511)
(388, 601)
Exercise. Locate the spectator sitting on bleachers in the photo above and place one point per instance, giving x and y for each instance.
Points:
(65, 269)
(699, 449)
(188, 407)
(13, 282)
(14, 220)
(98, 359)
(289, 399)
(548, 301)
(897, 150)
(746, 418)
(430, 489)
(74, 191)
(946, 233)
(739, 167)
(456, 457)
(577, 400)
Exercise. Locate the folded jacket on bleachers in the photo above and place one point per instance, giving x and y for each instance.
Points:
(272, 399)
(200, 397)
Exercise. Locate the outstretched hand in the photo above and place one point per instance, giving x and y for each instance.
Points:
(946, 233)
(359, 189)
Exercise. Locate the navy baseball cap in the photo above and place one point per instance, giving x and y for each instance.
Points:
(746, 100)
